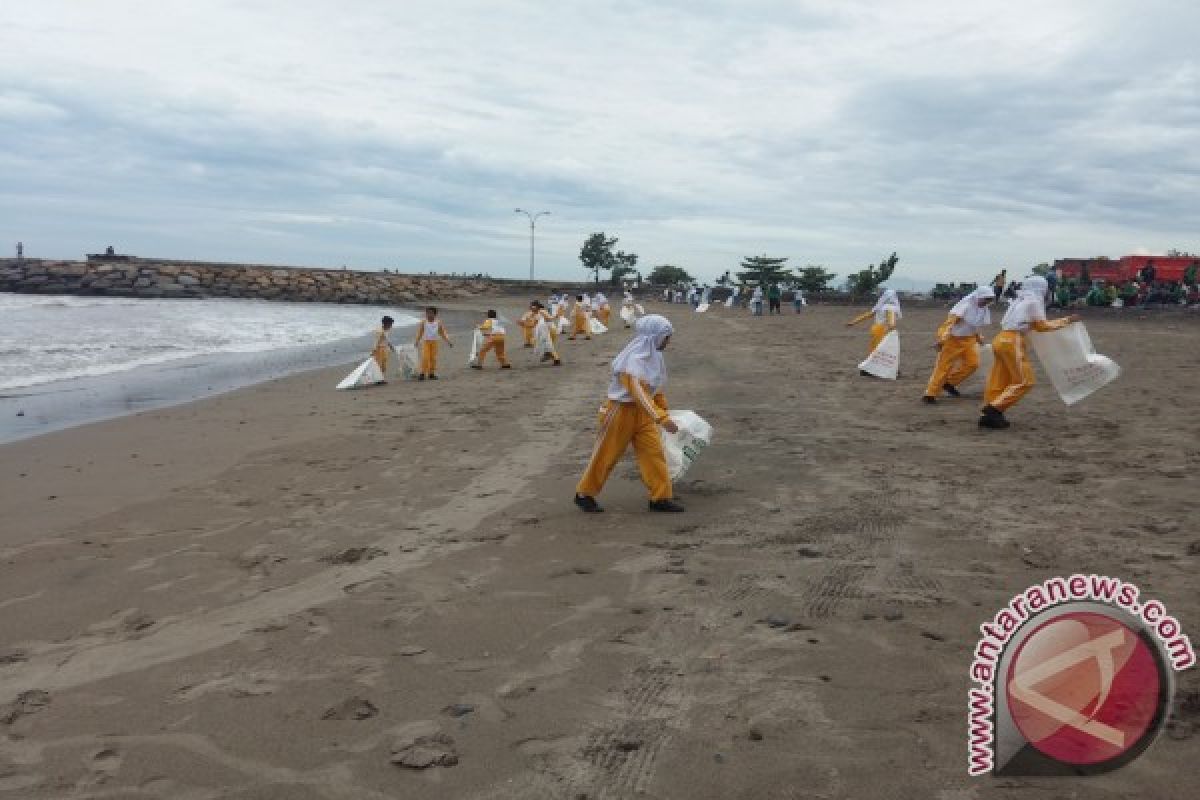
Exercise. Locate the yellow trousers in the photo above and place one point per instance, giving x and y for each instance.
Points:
(490, 343)
(381, 358)
(603, 314)
(527, 332)
(1012, 371)
(429, 353)
(957, 360)
(620, 424)
(581, 326)
(878, 331)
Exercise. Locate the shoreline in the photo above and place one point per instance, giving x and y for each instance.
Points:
(32, 411)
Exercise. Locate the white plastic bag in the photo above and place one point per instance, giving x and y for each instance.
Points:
(700, 309)
(542, 343)
(597, 326)
(1072, 363)
(367, 373)
(563, 324)
(884, 361)
(476, 346)
(410, 363)
(682, 449)
(627, 314)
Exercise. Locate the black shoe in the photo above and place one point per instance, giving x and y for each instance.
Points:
(557, 363)
(420, 377)
(529, 345)
(433, 377)
(950, 390)
(588, 504)
(476, 366)
(546, 357)
(929, 400)
(993, 418)
(506, 366)
(665, 505)
(865, 374)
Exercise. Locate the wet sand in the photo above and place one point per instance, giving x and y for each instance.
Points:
(291, 592)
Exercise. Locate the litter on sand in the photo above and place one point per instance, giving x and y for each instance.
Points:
(884, 361)
(682, 449)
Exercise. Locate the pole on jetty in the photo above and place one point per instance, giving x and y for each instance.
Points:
(532, 229)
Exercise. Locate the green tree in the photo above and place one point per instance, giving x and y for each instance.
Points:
(669, 275)
(597, 254)
(1189, 274)
(626, 265)
(1042, 269)
(868, 280)
(763, 270)
(814, 278)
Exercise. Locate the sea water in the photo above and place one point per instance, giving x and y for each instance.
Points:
(45, 338)
(66, 360)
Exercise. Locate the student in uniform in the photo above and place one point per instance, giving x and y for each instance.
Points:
(546, 333)
(958, 341)
(628, 311)
(601, 308)
(428, 332)
(1012, 372)
(528, 323)
(493, 339)
(579, 318)
(383, 346)
(886, 313)
(632, 413)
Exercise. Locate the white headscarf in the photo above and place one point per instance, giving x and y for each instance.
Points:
(641, 358)
(599, 299)
(1030, 304)
(969, 310)
(888, 301)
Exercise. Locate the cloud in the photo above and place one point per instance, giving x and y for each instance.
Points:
(963, 135)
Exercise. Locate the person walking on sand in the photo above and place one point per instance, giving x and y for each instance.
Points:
(756, 301)
(633, 412)
(999, 282)
(428, 332)
(798, 301)
(775, 298)
(958, 341)
(528, 323)
(1012, 375)
(579, 319)
(886, 313)
(545, 334)
(601, 308)
(383, 346)
(493, 339)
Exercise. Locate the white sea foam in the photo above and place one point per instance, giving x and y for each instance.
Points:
(46, 338)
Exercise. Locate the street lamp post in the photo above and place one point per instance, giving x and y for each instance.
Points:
(533, 218)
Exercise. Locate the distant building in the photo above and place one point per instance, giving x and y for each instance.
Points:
(1126, 268)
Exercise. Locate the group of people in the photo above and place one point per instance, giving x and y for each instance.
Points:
(960, 336)
(541, 326)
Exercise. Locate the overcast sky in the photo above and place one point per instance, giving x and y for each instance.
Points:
(402, 133)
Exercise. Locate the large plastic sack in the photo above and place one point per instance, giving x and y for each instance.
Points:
(1072, 363)
(683, 448)
(542, 343)
(476, 346)
(884, 361)
(563, 324)
(597, 326)
(700, 309)
(367, 373)
(627, 314)
(410, 363)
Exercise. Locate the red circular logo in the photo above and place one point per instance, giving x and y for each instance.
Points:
(1084, 688)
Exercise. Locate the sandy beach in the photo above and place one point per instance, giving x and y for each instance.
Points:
(290, 592)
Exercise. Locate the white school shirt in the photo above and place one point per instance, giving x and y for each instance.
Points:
(430, 330)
